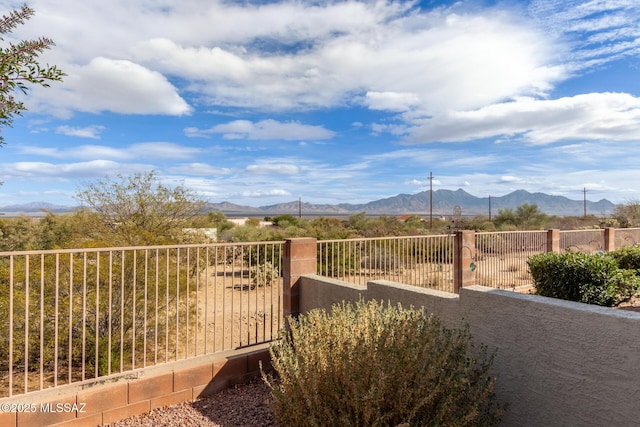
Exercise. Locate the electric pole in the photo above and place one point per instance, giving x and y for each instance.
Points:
(430, 200)
(584, 191)
(489, 207)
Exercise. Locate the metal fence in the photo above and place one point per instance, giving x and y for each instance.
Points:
(501, 257)
(585, 241)
(71, 315)
(627, 237)
(425, 261)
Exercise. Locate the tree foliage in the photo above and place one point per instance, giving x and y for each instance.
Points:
(139, 210)
(628, 214)
(525, 216)
(19, 66)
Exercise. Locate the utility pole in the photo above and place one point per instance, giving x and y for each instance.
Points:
(489, 207)
(584, 191)
(299, 207)
(430, 200)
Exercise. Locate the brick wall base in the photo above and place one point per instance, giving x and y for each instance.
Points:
(114, 398)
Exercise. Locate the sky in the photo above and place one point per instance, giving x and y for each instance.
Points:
(265, 102)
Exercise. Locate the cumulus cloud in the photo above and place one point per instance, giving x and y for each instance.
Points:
(455, 73)
(291, 55)
(594, 116)
(264, 130)
(118, 86)
(509, 178)
(85, 132)
(391, 101)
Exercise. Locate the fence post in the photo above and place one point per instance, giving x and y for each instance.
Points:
(299, 258)
(464, 256)
(609, 239)
(553, 240)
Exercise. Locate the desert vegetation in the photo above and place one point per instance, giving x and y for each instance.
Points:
(603, 279)
(365, 364)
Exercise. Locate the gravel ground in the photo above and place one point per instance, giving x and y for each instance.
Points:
(247, 405)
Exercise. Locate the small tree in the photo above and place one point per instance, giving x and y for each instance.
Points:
(525, 216)
(19, 66)
(628, 214)
(138, 210)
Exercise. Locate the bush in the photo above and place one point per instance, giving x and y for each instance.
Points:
(587, 278)
(366, 365)
(627, 257)
(263, 274)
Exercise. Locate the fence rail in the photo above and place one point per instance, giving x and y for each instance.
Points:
(585, 241)
(72, 315)
(68, 316)
(501, 257)
(425, 261)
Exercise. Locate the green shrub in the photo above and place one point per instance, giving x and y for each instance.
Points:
(440, 251)
(587, 278)
(263, 274)
(627, 257)
(366, 365)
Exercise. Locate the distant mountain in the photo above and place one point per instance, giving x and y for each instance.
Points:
(35, 207)
(444, 202)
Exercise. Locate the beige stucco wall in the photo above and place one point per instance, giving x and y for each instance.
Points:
(558, 363)
(321, 292)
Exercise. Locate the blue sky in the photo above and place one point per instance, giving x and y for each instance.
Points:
(258, 103)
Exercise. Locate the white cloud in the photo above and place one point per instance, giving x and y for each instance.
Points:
(393, 129)
(163, 150)
(145, 150)
(601, 31)
(391, 101)
(266, 193)
(63, 171)
(291, 55)
(264, 130)
(594, 116)
(79, 152)
(272, 168)
(509, 178)
(118, 86)
(202, 169)
(85, 132)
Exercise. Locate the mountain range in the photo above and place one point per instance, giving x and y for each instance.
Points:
(443, 202)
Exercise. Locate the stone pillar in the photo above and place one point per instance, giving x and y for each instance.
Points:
(553, 240)
(609, 239)
(464, 258)
(299, 258)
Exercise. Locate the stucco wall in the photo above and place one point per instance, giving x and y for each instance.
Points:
(558, 363)
(322, 292)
